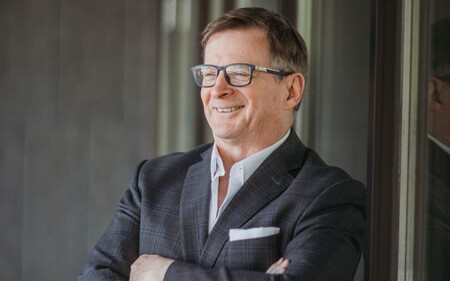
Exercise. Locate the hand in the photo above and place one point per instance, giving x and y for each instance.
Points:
(149, 267)
(279, 267)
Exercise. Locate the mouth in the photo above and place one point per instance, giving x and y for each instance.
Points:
(227, 109)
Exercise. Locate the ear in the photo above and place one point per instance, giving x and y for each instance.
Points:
(434, 94)
(295, 86)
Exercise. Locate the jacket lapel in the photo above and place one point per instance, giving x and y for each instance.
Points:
(194, 208)
(267, 182)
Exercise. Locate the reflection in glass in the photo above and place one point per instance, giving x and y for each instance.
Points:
(438, 230)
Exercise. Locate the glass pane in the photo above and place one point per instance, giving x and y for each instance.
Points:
(438, 193)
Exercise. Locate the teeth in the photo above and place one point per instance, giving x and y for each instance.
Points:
(228, 109)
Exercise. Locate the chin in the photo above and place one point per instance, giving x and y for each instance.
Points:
(224, 134)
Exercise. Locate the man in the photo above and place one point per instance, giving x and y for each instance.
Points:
(255, 205)
(438, 235)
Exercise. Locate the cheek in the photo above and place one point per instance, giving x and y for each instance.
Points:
(447, 120)
(273, 99)
(266, 105)
(204, 96)
(446, 108)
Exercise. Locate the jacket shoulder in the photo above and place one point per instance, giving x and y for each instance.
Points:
(172, 165)
(328, 180)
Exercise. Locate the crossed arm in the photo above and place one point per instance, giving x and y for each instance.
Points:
(319, 251)
(325, 245)
(154, 267)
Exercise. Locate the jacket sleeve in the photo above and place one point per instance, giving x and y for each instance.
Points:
(118, 247)
(326, 245)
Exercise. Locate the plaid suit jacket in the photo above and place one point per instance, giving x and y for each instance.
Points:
(319, 210)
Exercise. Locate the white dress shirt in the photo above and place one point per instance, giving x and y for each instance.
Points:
(239, 173)
(440, 144)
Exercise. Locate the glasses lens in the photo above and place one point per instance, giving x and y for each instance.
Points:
(205, 75)
(240, 74)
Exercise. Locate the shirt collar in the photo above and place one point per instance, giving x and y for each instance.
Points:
(440, 144)
(217, 168)
(249, 164)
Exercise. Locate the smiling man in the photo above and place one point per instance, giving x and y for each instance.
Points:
(254, 205)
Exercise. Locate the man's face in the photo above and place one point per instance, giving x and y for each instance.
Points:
(254, 115)
(445, 114)
(439, 104)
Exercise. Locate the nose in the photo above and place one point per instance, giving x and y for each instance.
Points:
(221, 88)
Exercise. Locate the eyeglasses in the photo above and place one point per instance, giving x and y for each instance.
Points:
(236, 74)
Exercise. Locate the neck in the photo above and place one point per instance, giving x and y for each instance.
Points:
(233, 152)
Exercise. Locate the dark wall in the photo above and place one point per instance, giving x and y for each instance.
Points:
(77, 98)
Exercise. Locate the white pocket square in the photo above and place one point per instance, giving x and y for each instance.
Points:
(251, 233)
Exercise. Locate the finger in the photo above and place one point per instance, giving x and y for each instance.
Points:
(278, 267)
(285, 264)
(274, 265)
(278, 270)
(278, 262)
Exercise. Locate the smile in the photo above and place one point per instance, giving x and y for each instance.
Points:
(227, 109)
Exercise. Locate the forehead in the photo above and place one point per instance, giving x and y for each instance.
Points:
(248, 45)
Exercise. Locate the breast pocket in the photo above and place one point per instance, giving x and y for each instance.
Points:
(253, 254)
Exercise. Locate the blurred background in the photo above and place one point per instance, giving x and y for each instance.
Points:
(88, 88)
(91, 87)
